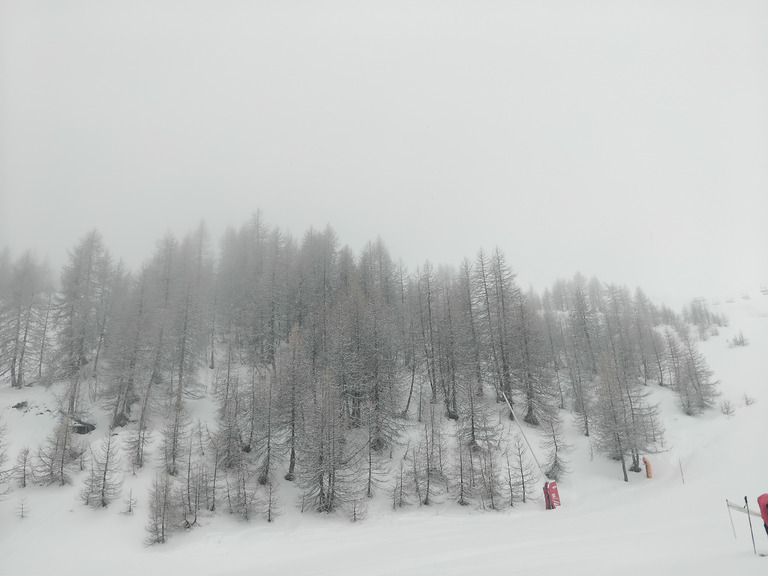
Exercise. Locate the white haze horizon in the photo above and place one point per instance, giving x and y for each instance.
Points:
(626, 141)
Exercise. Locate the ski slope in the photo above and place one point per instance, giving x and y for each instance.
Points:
(675, 523)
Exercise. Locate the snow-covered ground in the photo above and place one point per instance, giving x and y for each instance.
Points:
(675, 523)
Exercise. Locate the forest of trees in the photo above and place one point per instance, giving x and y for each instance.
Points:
(345, 374)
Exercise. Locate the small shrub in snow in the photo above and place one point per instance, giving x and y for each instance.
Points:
(739, 340)
(22, 508)
(726, 407)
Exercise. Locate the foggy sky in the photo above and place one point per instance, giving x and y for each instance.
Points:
(626, 140)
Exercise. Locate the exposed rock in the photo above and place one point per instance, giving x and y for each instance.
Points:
(80, 427)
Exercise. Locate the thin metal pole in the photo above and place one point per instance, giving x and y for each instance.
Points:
(681, 469)
(746, 503)
(727, 505)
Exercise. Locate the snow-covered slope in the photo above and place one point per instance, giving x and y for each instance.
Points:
(675, 523)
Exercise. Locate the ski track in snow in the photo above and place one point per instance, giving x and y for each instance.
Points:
(605, 526)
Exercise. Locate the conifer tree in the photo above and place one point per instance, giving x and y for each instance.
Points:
(487, 477)
(22, 471)
(697, 375)
(57, 457)
(162, 510)
(104, 482)
(461, 478)
(294, 376)
(330, 474)
(79, 314)
(428, 457)
(403, 487)
(626, 424)
(270, 502)
(553, 442)
(23, 314)
(534, 374)
(22, 508)
(521, 475)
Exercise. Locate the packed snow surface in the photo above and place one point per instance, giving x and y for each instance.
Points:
(675, 523)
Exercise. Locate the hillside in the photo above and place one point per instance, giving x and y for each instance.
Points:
(663, 525)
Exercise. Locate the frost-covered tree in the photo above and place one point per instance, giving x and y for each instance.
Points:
(129, 352)
(626, 423)
(554, 347)
(57, 457)
(294, 376)
(163, 510)
(376, 471)
(104, 481)
(429, 457)
(584, 326)
(176, 440)
(690, 376)
(493, 289)
(533, 372)
(649, 342)
(329, 471)
(22, 508)
(270, 502)
(80, 315)
(426, 294)
(261, 435)
(403, 490)
(22, 471)
(197, 487)
(486, 468)
(241, 490)
(556, 448)
(24, 310)
(520, 474)
(697, 375)
(462, 481)
(187, 273)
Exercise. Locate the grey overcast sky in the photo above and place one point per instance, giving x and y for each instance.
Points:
(622, 139)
